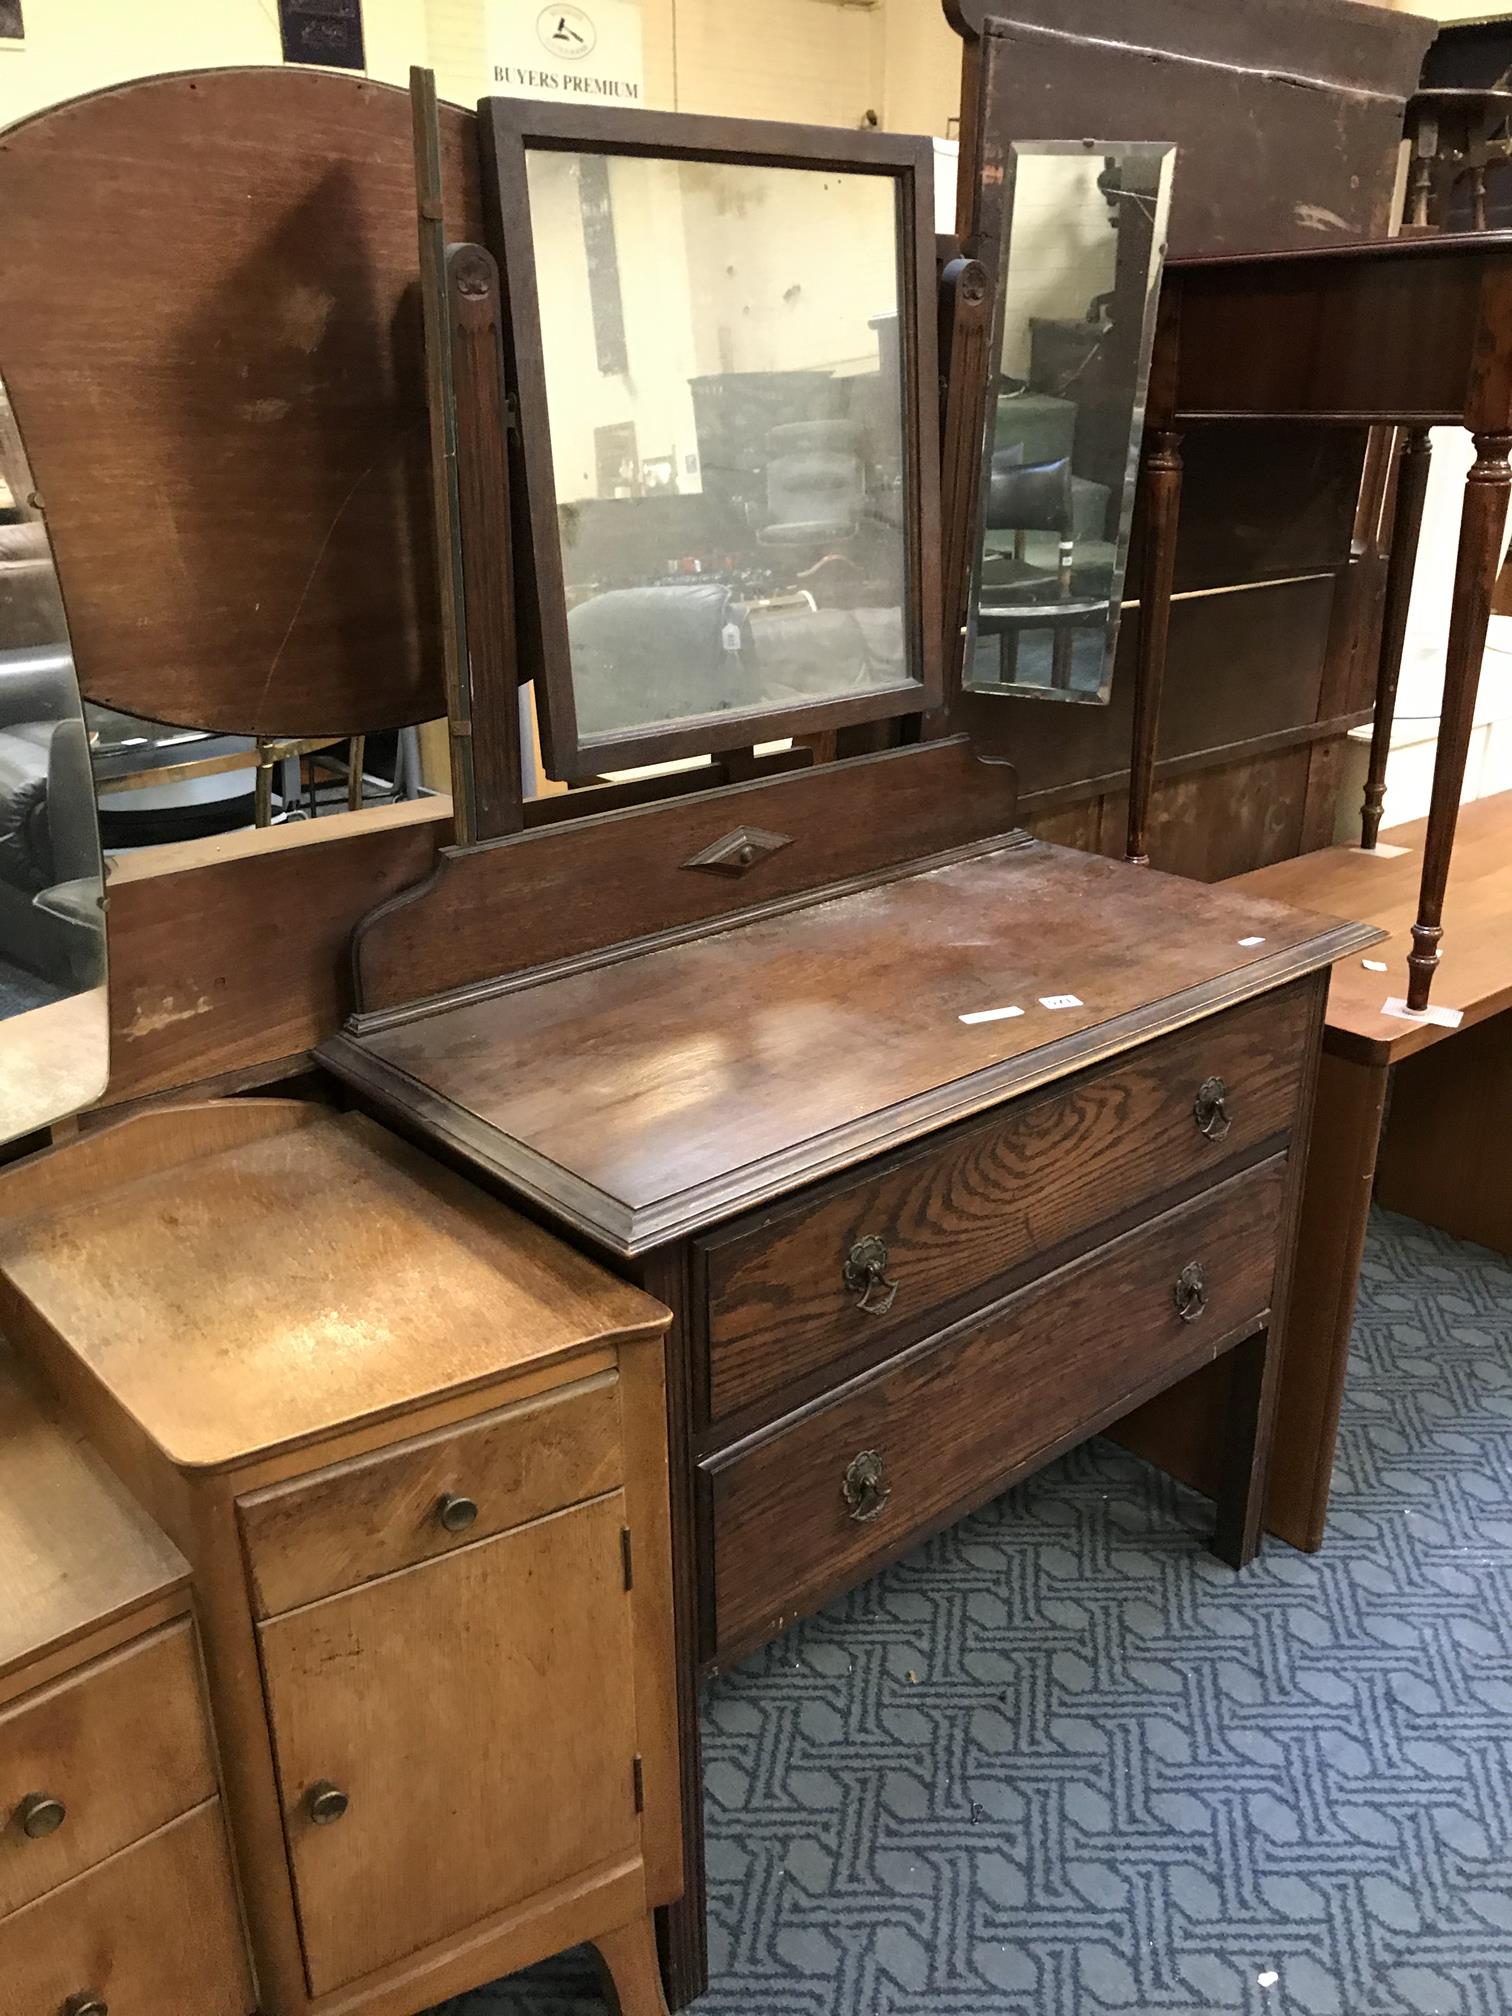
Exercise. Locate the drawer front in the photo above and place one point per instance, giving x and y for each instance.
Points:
(359, 1520)
(805, 1511)
(98, 1761)
(455, 1739)
(152, 1931)
(989, 1197)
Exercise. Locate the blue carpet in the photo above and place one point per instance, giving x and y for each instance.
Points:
(1061, 1762)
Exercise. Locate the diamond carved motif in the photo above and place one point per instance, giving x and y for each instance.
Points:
(738, 852)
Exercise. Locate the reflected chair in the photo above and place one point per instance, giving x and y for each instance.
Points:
(1017, 596)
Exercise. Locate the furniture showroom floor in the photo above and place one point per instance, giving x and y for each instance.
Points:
(1060, 1762)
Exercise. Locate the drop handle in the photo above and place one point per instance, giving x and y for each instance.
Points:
(455, 1512)
(39, 1816)
(865, 1275)
(326, 1803)
(865, 1488)
(85, 2005)
(1210, 1109)
(1190, 1293)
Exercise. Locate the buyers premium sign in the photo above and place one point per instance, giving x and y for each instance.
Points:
(592, 51)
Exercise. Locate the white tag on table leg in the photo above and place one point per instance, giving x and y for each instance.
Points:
(1061, 1001)
(1442, 1018)
(992, 1015)
(1383, 851)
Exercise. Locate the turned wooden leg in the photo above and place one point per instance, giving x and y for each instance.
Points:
(629, 1970)
(1481, 526)
(1246, 1455)
(1413, 463)
(1162, 498)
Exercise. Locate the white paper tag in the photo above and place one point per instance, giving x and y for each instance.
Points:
(1442, 1018)
(731, 637)
(1383, 851)
(1375, 965)
(1061, 1001)
(1248, 942)
(992, 1015)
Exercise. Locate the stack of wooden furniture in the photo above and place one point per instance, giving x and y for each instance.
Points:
(413, 1452)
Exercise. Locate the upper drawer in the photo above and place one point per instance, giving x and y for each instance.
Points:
(824, 1499)
(98, 1761)
(789, 1292)
(338, 1527)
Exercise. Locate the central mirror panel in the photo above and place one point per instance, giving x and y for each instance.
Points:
(724, 354)
(1083, 240)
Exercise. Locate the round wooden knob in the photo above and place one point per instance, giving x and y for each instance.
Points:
(325, 1803)
(456, 1514)
(40, 1816)
(85, 2005)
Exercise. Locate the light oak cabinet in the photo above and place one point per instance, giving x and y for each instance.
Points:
(116, 1891)
(414, 1451)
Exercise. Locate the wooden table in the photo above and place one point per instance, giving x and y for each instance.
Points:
(1414, 333)
(1446, 1157)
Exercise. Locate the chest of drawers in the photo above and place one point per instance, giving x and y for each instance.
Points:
(414, 1454)
(938, 1175)
(116, 1891)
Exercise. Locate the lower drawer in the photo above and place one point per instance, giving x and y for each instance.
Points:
(154, 1930)
(822, 1501)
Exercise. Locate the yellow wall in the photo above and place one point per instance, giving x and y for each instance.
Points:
(806, 60)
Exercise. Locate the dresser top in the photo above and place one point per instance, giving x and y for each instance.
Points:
(649, 1096)
(246, 1278)
(76, 1554)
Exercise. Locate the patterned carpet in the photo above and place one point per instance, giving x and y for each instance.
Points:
(1060, 1762)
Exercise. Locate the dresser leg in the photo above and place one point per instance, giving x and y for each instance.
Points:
(1251, 1420)
(631, 1974)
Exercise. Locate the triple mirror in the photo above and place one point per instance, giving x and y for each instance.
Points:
(54, 1027)
(1082, 233)
(723, 344)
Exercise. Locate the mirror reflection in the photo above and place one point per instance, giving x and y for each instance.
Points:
(54, 1031)
(725, 385)
(1083, 242)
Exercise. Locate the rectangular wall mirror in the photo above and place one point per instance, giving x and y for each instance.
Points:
(54, 1027)
(1082, 231)
(723, 350)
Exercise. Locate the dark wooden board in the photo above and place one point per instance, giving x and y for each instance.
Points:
(654, 1095)
(565, 891)
(210, 330)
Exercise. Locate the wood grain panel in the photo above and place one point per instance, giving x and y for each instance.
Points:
(358, 1520)
(123, 1746)
(573, 889)
(417, 1696)
(231, 954)
(154, 1929)
(1447, 1154)
(989, 1198)
(227, 419)
(75, 1552)
(955, 1420)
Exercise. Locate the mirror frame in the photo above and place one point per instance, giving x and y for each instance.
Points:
(997, 198)
(509, 128)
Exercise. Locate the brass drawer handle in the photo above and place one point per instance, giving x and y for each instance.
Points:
(1190, 1293)
(1210, 1109)
(865, 1488)
(456, 1514)
(865, 1273)
(85, 2005)
(326, 1803)
(40, 1816)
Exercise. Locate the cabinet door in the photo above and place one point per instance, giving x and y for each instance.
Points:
(477, 1717)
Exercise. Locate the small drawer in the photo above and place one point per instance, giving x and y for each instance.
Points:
(102, 1759)
(859, 1260)
(358, 1520)
(154, 1931)
(813, 1506)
